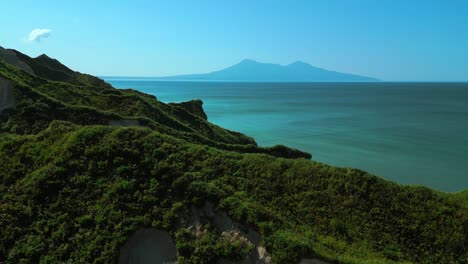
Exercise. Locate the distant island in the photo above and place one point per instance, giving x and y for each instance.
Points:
(253, 71)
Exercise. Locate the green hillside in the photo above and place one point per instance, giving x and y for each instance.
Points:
(84, 165)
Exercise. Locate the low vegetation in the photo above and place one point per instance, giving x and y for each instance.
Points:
(74, 188)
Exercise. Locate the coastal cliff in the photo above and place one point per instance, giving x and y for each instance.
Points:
(88, 171)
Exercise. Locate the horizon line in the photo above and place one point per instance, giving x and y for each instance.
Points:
(163, 79)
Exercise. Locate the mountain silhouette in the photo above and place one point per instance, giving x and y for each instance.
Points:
(250, 70)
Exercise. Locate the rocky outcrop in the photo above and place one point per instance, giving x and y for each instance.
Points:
(194, 106)
(223, 223)
(11, 58)
(7, 95)
(148, 246)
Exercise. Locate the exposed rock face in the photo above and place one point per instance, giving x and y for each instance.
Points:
(124, 123)
(7, 95)
(149, 246)
(223, 223)
(11, 58)
(262, 256)
(156, 246)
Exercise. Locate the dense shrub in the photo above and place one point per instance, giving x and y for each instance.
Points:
(73, 188)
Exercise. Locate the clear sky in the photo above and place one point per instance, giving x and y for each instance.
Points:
(407, 40)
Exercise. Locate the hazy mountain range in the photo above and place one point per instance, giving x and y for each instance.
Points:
(250, 70)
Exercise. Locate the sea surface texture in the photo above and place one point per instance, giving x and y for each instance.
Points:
(411, 133)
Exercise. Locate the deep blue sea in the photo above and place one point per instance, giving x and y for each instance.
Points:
(411, 133)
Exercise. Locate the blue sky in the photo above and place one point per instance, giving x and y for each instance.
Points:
(391, 40)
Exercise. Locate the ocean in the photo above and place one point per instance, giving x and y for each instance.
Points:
(410, 133)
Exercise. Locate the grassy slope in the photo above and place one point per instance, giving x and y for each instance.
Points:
(41, 101)
(76, 192)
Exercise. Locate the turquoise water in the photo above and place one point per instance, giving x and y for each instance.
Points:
(411, 133)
